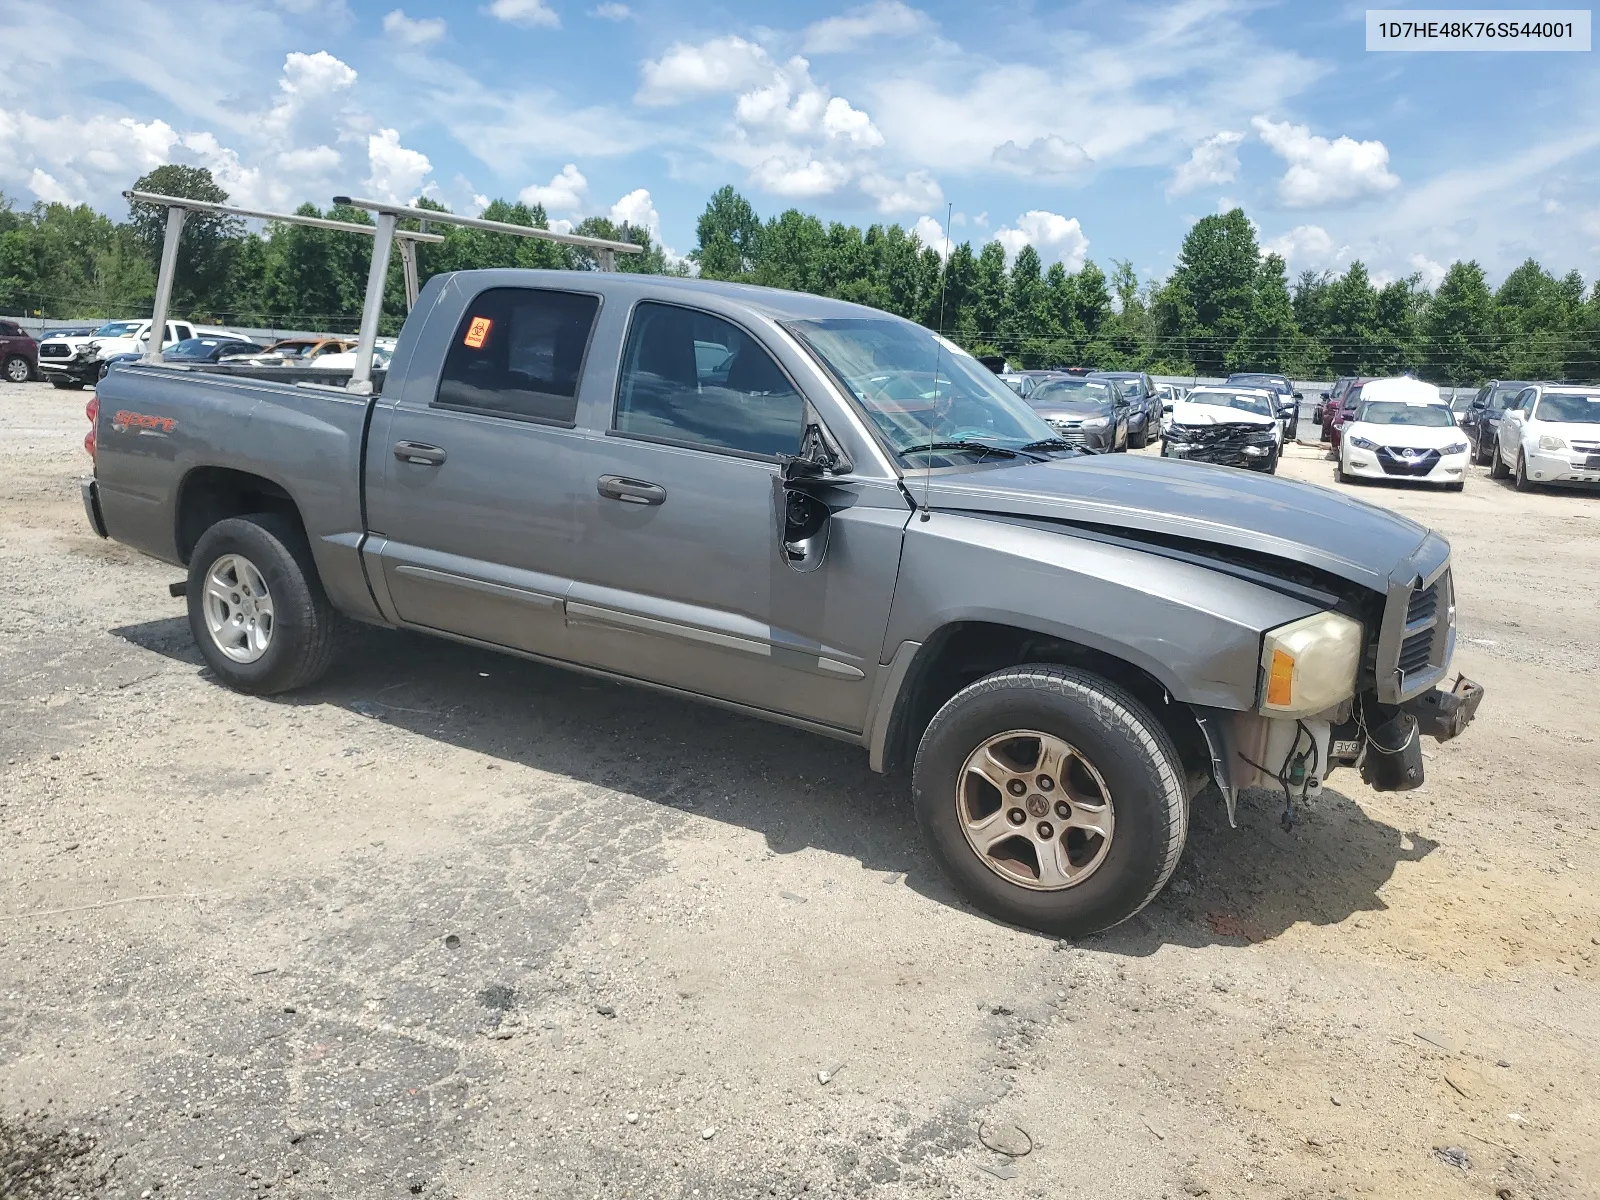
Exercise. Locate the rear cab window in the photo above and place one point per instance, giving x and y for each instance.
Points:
(519, 353)
(690, 378)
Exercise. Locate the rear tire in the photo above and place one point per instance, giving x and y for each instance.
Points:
(68, 385)
(1144, 440)
(1122, 775)
(299, 642)
(17, 370)
(1497, 465)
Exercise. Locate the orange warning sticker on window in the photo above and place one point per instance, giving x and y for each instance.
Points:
(477, 333)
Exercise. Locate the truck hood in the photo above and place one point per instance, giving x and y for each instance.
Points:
(1299, 522)
(1185, 413)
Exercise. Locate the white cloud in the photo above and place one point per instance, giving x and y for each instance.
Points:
(1049, 156)
(310, 160)
(45, 186)
(1056, 238)
(318, 74)
(1432, 273)
(567, 192)
(840, 120)
(1308, 247)
(636, 209)
(886, 18)
(906, 194)
(805, 177)
(612, 12)
(414, 31)
(725, 64)
(932, 236)
(397, 172)
(532, 13)
(1324, 173)
(1214, 160)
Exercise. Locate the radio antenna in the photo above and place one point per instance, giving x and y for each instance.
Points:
(938, 355)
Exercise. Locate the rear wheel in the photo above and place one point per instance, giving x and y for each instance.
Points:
(17, 370)
(256, 607)
(1138, 441)
(1052, 798)
(68, 385)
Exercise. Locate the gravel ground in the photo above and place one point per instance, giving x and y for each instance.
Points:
(451, 924)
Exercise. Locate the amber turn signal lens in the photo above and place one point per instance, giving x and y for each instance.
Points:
(1280, 680)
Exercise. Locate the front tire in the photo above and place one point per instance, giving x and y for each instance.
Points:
(1523, 483)
(1497, 465)
(256, 606)
(1094, 778)
(17, 370)
(1144, 439)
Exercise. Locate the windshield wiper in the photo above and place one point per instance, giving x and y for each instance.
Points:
(963, 444)
(1053, 443)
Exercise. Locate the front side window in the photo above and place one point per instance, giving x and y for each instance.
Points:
(518, 352)
(918, 388)
(693, 378)
(1501, 398)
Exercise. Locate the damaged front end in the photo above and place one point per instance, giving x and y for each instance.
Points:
(1227, 443)
(1386, 672)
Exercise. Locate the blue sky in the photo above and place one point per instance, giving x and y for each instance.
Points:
(1097, 130)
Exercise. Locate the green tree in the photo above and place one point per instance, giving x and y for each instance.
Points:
(1350, 322)
(1458, 331)
(1270, 335)
(728, 236)
(199, 285)
(1212, 291)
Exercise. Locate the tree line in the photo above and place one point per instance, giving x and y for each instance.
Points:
(1225, 306)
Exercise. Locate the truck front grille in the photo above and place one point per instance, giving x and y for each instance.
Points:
(56, 350)
(1418, 636)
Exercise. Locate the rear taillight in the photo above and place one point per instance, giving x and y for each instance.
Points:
(92, 411)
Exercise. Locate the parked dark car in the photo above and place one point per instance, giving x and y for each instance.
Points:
(19, 353)
(190, 350)
(1144, 404)
(1340, 408)
(1332, 395)
(1483, 416)
(1288, 398)
(1091, 414)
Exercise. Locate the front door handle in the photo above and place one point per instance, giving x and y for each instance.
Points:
(420, 453)
(630, 491)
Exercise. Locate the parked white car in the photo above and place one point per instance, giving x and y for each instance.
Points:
(1233, 426)
(1405, 432)
(114, 337)
(1549, 434)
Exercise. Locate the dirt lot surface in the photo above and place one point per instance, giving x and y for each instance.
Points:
(451, 924)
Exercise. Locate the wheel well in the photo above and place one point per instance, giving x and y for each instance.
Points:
(965, 652)
(211, 494)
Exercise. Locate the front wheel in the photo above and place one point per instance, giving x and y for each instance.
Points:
(1143, 439)
(1051, 798)
(256, 606)
(1523, 483)
(1497, 464)
(17, 369)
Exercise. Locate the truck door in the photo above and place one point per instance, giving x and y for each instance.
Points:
(474, 507)
(683, 582)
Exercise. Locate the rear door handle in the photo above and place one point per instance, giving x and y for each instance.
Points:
(630, 491)
(419, 453)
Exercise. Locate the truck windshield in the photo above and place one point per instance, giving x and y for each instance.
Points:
(118, 329)
(918, 388)
(1570, 407)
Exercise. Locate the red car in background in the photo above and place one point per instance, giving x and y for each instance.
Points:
(1340, 408)
(19, 353)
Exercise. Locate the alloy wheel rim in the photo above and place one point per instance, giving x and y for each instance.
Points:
(17, 371)
(1035, 810)
(238, 608)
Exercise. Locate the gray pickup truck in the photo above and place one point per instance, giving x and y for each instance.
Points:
(819, 514)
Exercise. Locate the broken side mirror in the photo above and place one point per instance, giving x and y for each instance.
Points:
(806, 515)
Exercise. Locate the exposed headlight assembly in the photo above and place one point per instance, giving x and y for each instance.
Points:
(1309, 665)
(1361, 443)
(1455, 448)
